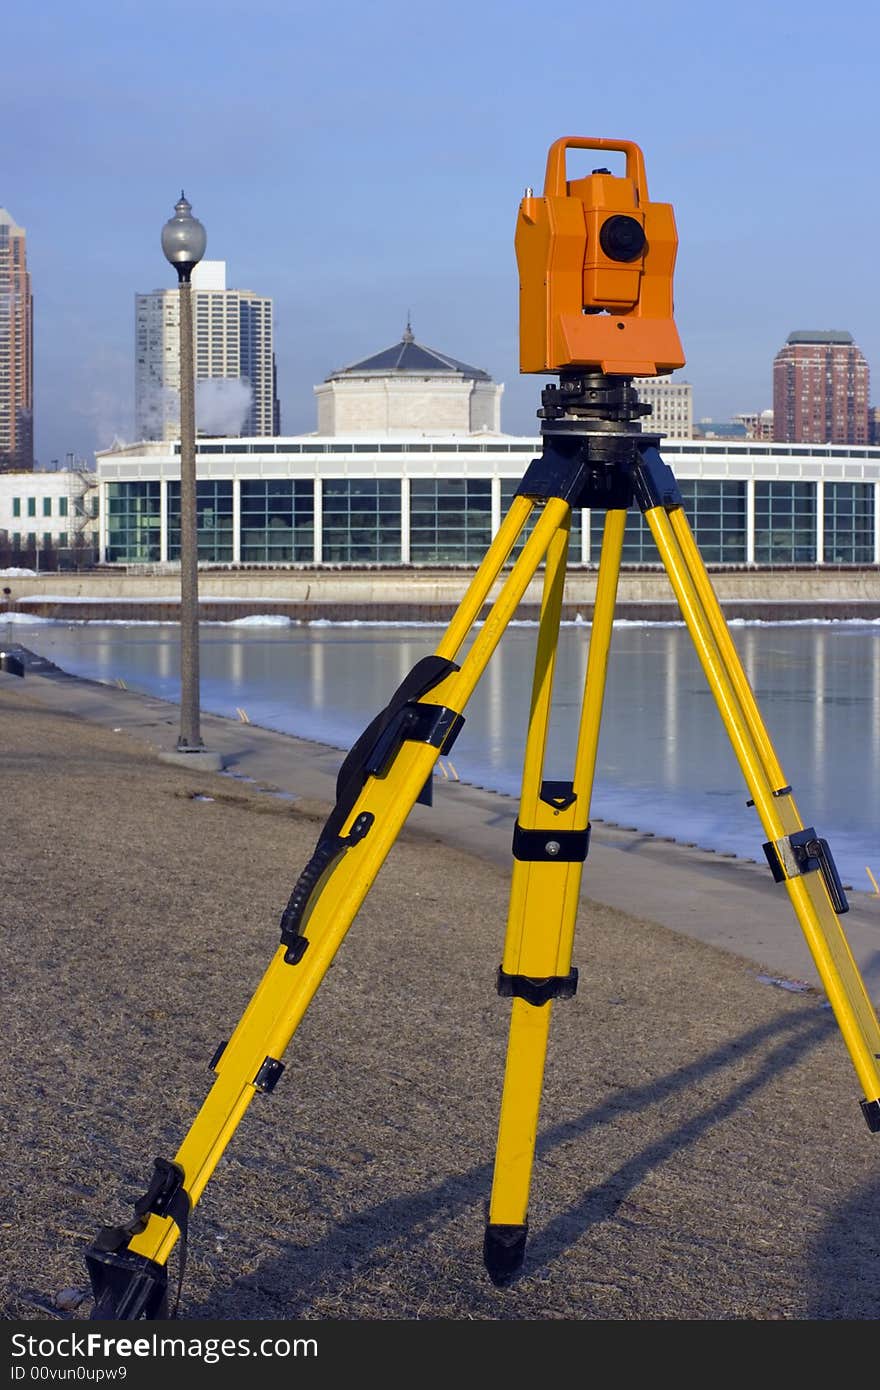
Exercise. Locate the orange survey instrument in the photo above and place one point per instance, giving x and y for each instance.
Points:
(595, 264)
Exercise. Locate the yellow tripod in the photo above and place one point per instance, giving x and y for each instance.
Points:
(594, 456)
(596, 260)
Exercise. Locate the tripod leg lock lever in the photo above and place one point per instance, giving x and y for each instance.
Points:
(804, 853)
(537, 991)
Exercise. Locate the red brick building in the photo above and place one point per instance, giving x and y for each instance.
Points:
(821, 382)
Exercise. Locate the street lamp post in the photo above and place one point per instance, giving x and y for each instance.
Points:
(183, 241)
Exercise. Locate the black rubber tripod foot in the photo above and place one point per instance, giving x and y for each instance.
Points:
(504, 1249)
(127, 1287)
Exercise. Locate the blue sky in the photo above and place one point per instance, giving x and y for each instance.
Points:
(358, 162)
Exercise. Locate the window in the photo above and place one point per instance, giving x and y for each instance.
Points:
(785, 523)
(450, 519)
(849, 524)
(16, 506)
(361, 520)
(717, 515)
(47, 506)
(32, 506)
(278, 520)
(213, 520)
(133, 524)
(62, 506)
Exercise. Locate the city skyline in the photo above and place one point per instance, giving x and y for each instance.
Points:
(380, 170)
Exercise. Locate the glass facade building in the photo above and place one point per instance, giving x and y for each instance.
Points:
(389, 502)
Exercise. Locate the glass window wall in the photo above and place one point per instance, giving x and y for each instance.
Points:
(361, 521)
(785, 523)
(133, 522)
(717, 516)
(849, 524)
(450, 520)
(278, 521)
(213, 520)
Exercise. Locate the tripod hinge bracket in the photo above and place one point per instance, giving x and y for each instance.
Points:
(561, 470)
(654, 482)
(536, 990)
(805, 853)
(551, 846)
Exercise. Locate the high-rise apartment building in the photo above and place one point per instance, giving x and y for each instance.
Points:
(233, 354)
(16, 349)
(672, 406)
(821, 382)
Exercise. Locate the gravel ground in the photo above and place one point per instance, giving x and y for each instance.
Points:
(701, 1155)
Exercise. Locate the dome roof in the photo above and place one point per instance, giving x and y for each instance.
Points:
(410, 358)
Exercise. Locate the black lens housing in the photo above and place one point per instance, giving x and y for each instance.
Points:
(622, 238)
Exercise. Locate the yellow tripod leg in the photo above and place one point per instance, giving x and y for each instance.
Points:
(128, 1276)
(797, 855)
(550, 845)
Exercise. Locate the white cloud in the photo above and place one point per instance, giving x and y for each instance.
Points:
(222, 405)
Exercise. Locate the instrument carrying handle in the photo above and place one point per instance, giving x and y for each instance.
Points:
(555, 180)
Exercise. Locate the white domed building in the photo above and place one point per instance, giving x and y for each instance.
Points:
(407, 390)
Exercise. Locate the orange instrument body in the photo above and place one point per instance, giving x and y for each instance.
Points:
(596, 260)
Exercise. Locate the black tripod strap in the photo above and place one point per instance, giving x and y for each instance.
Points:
(369, 755)
(423, 677)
